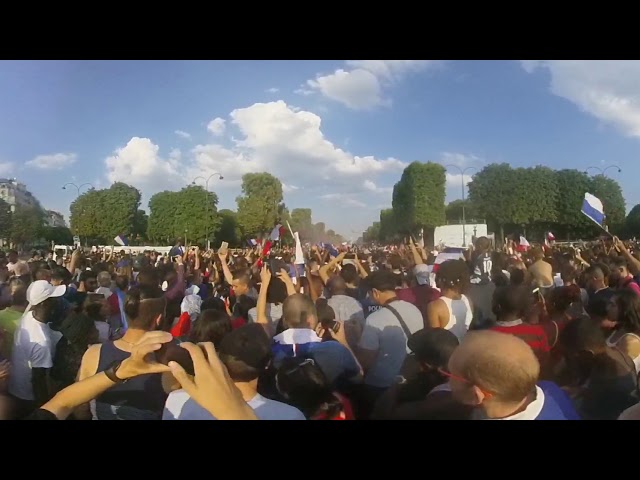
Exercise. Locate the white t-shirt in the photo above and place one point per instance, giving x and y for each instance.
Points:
(180, 406)
(384, 334)
(33, 347)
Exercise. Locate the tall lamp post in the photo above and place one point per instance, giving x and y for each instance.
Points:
(206, 186)
(464, 220)
(78, 188)
(603, 170)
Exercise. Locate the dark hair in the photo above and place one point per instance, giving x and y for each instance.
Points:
(582, 334)
(148, 277)
(453, 274)
(77, 329)
(122, 282)
(143, 304)
(628, 311)
(18, 288)
(87, 275)
(213, 303)
(598, 307)
(382, 280)
(303, 384)
(93, 306)
(243, 304)
(43, 311)
(561, 298)
(511, 301)
(483, 244)
(277, 291)
(349, 273)
(61, 274)
(569, 274)
(211, 326)
(242, 276)
(517, 277)
(325, 313)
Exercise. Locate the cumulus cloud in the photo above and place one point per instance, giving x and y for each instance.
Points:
(270, 137)
(139, 163)
(56, 161)
(217, 126)
(272, 90)
(609, 90)
(183, 134)
(360, 86)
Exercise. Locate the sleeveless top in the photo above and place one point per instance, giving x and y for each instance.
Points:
(460, 315)
(141, 398)
(610, 343)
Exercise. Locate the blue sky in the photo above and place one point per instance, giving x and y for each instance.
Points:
(337, 133)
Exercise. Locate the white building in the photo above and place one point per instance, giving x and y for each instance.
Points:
(55, 219)
(15, 193)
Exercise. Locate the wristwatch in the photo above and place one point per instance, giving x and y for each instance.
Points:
(112, 370)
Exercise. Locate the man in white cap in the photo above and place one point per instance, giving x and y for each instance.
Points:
(34, 347)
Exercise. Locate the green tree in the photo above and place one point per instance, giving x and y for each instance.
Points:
(388, 228)
(453, 211)
(27, 225)
(86, 214)
(228, 229)
(140, 225)
(418, 198)
(632, 222)
(57, 235)
(191, 212)
(5, 219)
(570, 223)
(496, 192)
(372, 234)
(610, 194)
(301, 222)
(119, 209)
(258, 206)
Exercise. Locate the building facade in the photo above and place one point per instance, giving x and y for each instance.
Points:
(55, 219)
(15, 193)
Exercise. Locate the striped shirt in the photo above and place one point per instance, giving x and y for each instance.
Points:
(533, 335)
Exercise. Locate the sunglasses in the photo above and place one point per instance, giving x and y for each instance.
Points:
(451, 376)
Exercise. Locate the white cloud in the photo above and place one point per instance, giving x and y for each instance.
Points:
(454, 186)
(272, 90)
(343, 199)
(217, 126)
(6, 168)
(57, 161)
(361, 85)
(609, 90)
(460, 160)
(370, 186)
(183, 134)
(271, 137)
(139, 164)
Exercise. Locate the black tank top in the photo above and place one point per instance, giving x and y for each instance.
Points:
(141, 398)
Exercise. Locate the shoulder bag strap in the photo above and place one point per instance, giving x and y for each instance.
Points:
(406, 330)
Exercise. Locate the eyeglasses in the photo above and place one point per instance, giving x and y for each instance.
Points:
(450, 375)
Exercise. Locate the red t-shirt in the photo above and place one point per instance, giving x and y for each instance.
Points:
(534, 335)
(345, 414)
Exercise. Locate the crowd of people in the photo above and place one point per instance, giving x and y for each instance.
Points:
(551, 333)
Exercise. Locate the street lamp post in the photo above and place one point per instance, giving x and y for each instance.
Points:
(603, 171)
(206, 186)
(464, 220)
(78, 188)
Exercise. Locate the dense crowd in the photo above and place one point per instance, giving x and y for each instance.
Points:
(547, 332)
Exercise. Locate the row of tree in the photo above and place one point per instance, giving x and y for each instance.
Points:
(27, 226)
(192, 213)
(526, 200)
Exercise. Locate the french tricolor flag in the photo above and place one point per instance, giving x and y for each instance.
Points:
(121, 240)
(593, 209)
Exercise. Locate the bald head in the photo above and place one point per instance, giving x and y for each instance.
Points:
(337, 285)
(499, 363)
(298, 311)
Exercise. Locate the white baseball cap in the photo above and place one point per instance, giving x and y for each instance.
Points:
(40, 290)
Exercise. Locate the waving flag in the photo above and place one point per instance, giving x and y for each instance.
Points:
(593, 209)
(277, 233)
(121, 240)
